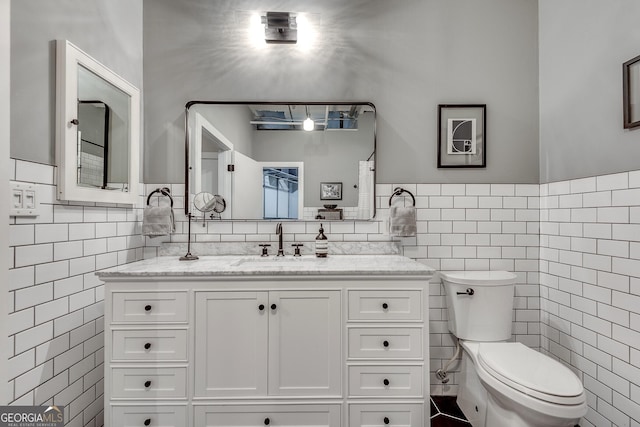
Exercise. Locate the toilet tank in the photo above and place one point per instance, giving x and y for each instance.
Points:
(480, 304)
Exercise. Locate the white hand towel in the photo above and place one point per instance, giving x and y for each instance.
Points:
(158, 221)
(402, 221)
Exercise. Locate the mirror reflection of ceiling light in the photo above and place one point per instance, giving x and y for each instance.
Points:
(308, 124)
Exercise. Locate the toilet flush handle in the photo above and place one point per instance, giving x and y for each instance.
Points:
(469, 292)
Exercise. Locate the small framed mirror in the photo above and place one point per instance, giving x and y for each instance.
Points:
(97, 130)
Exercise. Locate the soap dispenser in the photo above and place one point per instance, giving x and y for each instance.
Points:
(322, 244)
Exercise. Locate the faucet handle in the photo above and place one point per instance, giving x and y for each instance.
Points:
(297, 250)
(264, 247)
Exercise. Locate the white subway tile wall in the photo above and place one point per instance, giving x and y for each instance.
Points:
(590, 289)
(56, 302)
(574, 245)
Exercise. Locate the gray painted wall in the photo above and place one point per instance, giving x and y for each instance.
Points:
(108, 30)
(583, 44)
(404, 56)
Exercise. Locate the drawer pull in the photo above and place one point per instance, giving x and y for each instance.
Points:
(147, 307)
(261, 307)
(147, 346)
(386, 420)
(385, 344)
(273, 307)
(385, 306)
(147, 384)
(267, 421)
(385, 381)
(147, 421)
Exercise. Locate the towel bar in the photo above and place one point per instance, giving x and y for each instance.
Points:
(398, 191)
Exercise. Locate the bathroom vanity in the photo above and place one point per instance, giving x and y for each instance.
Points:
(251, 341)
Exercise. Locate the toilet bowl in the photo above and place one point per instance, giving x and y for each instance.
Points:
(505, 384)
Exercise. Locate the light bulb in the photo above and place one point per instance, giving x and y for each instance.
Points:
(308, 124)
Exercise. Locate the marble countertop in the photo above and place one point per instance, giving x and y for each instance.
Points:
(336, 265)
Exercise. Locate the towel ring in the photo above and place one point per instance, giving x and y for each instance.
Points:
(398, 191)
(164, 191)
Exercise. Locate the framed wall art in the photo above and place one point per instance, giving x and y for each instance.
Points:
(631, 92)
(330, 191)
(462, 135)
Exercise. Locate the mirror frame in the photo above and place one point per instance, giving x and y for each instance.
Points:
(630, 81)
(187, 198)
(68, 59)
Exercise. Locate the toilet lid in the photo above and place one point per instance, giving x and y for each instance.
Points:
(528, 370)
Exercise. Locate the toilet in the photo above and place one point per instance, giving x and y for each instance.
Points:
(505, 384)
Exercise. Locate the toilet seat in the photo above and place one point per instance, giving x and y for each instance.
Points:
(530, 372)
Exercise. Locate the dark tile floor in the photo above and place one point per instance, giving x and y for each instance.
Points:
(445, 412)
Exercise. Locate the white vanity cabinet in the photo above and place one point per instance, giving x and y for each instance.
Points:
(211, 350)
(271, 343)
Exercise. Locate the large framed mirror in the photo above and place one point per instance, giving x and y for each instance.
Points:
(98, 130)
(276, 160)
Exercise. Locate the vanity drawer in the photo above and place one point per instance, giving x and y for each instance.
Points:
(385, 343)
(149, 307)
(405, 380)
(151, 415)
(316, 415)
(385, 305)
(149, 383)
(149, 344)
(386, 415)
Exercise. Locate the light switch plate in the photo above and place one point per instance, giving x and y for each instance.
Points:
(23, 199)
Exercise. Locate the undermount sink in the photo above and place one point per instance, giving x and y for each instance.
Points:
(272, 261)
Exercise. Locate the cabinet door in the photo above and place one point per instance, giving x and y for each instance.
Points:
(231, 343)
(304, 343)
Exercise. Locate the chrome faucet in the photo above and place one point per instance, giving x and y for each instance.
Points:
(279, 233)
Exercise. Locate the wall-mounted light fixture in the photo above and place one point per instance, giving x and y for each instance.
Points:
(280, 27)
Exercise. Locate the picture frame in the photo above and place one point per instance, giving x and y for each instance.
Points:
(631, 93)
(330, 191)
(462, 135)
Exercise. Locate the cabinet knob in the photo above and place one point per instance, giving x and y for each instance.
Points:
(273, 306)
(147, 307)
(385, 306)
(147, 421)
(385, 343)
(261, 307)
(386, 420)
(147, 346)
(267, 421)
(385, 381)
(147, 384)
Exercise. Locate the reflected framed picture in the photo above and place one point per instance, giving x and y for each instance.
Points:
(330, 191)
(462, 135)
(631, 92)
